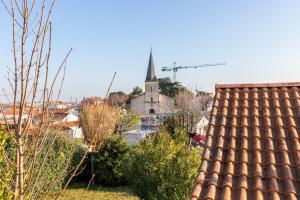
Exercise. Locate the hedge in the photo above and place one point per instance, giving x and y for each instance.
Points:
(53, 163)
(162, 167)
(109, 160)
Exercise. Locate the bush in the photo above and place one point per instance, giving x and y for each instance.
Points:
(162, 167)
(171, 124)
(108, 162)
(127, 120)
(50, 171)
(62, 158)
(5, 173)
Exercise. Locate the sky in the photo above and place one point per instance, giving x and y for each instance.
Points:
(259, 41)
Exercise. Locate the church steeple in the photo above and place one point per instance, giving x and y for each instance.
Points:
(151, 71)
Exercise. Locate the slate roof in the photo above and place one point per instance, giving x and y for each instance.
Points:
(151, 71)
(252, 149)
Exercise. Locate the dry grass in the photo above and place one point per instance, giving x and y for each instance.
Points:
(101, 193)
(98, 123)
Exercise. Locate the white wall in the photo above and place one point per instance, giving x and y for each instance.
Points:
(200, 127)
(74, 132)
(71, 118)
(137, 104)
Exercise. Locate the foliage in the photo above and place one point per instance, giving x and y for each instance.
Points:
(171, 124)
(118, 93)
(169, 88)
(127, 120)
(56, 160)
(98, 123)
(136, 91)
(181, 137)
(108, 161)
(162, 167)
(5, 173)
(33, 82)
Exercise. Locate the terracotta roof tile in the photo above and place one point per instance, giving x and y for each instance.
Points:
(91, 99)
(252, 149)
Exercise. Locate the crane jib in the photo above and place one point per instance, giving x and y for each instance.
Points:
(176, 67)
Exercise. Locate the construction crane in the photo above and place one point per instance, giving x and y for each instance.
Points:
(174, 67)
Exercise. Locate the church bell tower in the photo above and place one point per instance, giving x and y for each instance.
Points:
(151, 89)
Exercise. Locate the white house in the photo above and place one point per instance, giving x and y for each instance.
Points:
(8, 114)
(72, 129)
(71, 124)
(73, 115)
(201, 125)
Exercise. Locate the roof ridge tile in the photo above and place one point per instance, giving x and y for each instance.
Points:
(258, 85)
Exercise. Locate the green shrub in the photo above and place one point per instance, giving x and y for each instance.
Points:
(108, 162)
(171, 124)
(56, 158)
(63, 157)
(5, 173)
(162, 167)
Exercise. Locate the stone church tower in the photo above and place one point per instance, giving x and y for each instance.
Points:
(151, 89)
(151, 102)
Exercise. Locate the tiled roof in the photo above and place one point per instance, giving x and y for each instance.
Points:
(91, 99)
(70, 124)
(252, 149)
(10, 111)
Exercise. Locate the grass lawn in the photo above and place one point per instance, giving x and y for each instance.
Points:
(77, 193)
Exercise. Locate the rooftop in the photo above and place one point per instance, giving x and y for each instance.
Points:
(151, 71)
(258, 85)
(91, 99)
(252, 149)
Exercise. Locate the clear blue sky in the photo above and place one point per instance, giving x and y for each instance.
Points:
(260, 41)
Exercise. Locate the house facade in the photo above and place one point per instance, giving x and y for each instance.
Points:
(201, 126)
(93, 101)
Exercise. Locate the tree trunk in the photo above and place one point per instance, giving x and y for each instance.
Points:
(187, 123)
(192, 123)
(92, 168)
(19, 190)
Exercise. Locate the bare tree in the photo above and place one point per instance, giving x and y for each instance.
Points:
(118, 98)
(190, 108)
(29, 79)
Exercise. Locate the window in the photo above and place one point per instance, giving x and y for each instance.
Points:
(151, 88)
(151, 99)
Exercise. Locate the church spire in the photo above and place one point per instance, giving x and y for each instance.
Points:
(151, 71)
